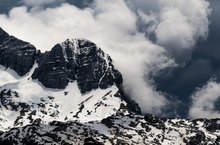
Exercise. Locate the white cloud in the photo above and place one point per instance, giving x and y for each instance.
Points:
(177, 24)
(174, 31)
(111, 25)
(204, 100)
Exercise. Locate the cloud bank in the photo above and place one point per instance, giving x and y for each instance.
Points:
(113, 26)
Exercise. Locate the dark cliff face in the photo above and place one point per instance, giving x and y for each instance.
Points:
(52, 72)
(79, 60)
(16, 54)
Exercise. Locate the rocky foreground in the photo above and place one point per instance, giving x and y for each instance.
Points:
(118, 130)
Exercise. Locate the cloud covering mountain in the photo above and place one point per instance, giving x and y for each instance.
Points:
(157, 45)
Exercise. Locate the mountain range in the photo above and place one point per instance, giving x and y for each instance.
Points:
(73, 94)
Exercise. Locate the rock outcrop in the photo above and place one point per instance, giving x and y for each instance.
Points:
(16, 54)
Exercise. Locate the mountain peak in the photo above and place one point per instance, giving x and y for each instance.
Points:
(77, 47)
(77, 60)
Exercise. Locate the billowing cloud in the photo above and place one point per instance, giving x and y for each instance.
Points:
(111, 25)
(204, 99)
(176, 24)
(198, 68)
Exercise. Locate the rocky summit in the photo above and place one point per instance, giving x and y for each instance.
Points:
(79, 60)
(73, 94)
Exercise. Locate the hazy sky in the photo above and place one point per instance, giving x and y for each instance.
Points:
(168, 51)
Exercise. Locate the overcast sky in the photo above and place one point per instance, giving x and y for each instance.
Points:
(168, 51)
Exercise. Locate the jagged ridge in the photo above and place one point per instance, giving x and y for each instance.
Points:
(118, 130)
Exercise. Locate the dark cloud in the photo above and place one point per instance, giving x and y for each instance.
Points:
(7, 5)
(204, 64)
(217, 104)
(210, 49)
(80, 3)
(56, 3)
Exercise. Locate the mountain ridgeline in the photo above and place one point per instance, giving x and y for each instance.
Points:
(73, 60)
(16, 54)
(73, 94)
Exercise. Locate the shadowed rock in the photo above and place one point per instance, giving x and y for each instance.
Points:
(79, 60)
(16, 54)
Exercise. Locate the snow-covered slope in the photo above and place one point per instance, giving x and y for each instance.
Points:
(23, 100)
(73, 95)
(74, 81)
(118, 130)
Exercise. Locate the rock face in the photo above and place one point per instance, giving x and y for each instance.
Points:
(16, 54)
(79, 60)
